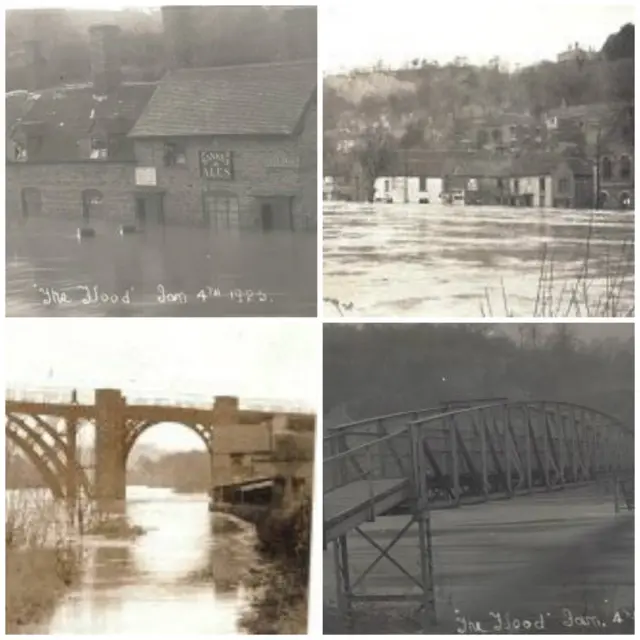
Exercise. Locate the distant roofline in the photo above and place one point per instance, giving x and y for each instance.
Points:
(282, 63)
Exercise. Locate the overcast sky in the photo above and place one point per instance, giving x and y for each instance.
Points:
(274, 362)
(358, 34)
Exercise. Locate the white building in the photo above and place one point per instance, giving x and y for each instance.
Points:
(540, 188)
(408, 189)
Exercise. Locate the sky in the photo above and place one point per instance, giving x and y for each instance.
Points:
(353, 34)
(275, 363)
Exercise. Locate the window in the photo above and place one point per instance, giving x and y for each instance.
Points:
(516, 185)
(387, 186)
(541, 183)
(174, 154)
(513, 130)
(98, 149)
(607, 171)
(422, 183)
(496, 134)
(625, 168)
(19, 152)
(563, 185)
(221, 210)
(482, 138)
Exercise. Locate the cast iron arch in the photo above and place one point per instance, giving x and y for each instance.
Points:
(51, 479)
(51, 452)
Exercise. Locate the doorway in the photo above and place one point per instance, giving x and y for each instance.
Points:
(266, 215)
(149, 208)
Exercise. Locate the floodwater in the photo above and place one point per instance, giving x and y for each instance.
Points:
(437, 260)
(164, 271)
(180, 577)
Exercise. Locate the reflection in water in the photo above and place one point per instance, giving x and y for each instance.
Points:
(271, 274)
(173, 579)
(409, 260)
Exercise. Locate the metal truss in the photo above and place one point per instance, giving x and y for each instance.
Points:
(460, 452)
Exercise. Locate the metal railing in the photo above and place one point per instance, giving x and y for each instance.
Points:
(382, 458)
(59, 395)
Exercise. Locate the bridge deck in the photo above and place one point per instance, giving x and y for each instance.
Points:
(349, 506)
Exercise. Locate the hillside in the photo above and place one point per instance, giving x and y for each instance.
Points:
(430, 106)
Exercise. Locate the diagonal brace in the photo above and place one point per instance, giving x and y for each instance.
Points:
(384, 553)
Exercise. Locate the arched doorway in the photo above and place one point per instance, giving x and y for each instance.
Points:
(607, 168)
(92, 200)
(625, 200)
(603, 200)
(31, 202)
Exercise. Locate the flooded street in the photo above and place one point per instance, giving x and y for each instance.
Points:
(415, 260)
(164, 271)
(184, 575)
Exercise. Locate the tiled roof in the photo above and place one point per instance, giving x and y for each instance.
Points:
(75, 108)
(258, 99)
(535, 164)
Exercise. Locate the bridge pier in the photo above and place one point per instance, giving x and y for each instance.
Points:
(110, 473)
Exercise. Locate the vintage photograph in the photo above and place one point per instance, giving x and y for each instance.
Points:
(478, 160)
(478, 478)
(160, 486)
(161, 161)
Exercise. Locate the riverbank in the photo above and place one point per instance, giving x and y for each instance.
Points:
(280, 583)
(41, 563)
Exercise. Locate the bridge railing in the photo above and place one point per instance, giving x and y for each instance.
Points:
(476, 449)
(59, 395)
(379, 458)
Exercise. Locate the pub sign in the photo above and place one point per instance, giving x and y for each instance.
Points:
(216, 165)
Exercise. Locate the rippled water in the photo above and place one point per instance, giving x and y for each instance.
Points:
(435, 260)
(243, 274)
(180, 577)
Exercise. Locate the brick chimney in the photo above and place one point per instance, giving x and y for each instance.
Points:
(36, 65)
(106, 73)
(180, 36)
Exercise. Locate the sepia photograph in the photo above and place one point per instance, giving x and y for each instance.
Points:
(478, 478)
(161, 161)
(478, 160)
(159, 486)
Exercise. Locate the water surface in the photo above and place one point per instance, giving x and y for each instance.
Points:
(218, 274)
(435, 260)
(181, 577)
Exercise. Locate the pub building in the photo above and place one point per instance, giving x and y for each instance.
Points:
(234, 147)
(230, 147)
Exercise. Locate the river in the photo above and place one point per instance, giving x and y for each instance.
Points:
(438, 261)
(164, 271)
(183, 576)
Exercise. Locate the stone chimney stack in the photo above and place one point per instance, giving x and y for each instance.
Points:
(180, 36)
(36, 65)
(106, 71)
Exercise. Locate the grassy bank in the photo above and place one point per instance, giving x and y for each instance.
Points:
(41, 563)
(280, 585)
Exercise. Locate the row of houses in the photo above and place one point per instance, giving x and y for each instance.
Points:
(532, 180)
(229, 147)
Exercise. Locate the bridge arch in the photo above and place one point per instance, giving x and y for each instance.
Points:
(136, 429)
